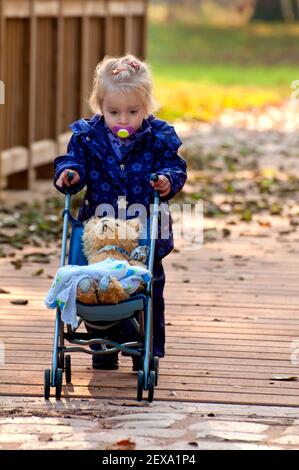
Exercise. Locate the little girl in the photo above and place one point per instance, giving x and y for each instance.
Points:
(114, 153)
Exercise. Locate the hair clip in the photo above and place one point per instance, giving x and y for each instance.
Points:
(134, 65)
(117, 70)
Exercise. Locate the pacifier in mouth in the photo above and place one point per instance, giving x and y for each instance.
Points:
(123, 132)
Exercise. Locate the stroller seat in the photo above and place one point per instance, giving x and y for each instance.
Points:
(120, 311)
(104, 312)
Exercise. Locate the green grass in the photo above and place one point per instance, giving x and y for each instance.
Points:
(207, 67)
(234, 74)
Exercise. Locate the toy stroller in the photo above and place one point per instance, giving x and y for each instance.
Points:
(137, 309)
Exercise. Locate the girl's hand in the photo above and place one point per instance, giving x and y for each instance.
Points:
(63, 178)
(162, 185)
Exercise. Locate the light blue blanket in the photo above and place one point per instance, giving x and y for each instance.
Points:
(64, 288)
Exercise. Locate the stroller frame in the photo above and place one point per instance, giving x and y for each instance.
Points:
(147, 376)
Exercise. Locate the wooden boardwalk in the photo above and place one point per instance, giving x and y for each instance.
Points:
(232, 328)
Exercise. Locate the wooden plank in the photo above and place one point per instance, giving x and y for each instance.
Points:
(32, 95)
(180, 395)
(169, 368)
(145, 21)
(71, 71)
(282, 307)
(16, 9)
(117, 8)
(13, 341)
(84, 58)
(126, 379)
(41, 324)
(224, 360)
(2, 107)
(59, 77)
(47, 8)
(72, 9)
(174, 348)
(168, 373)
(95, 8)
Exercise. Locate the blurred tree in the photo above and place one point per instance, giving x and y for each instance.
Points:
(276, 10)
(191, 5)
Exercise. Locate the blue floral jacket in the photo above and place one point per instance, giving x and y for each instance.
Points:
(90, 153)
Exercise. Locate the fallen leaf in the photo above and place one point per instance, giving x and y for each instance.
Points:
(126, 403)
(17, 263)
(124, 444)
(226, 232)
(19, 302)
(193, 443)
(179, 266)
(246, 216)
(38, 272)
(37, 257)
(263, 223)
(45, 437)
(287, 378)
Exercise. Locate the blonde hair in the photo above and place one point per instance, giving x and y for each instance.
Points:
(122, 74)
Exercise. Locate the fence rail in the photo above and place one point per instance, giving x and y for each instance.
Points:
(48, 52)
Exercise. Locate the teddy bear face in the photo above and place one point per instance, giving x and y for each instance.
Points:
(100, 232)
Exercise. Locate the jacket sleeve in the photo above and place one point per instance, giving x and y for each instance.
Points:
(73, 159)
(171, 165)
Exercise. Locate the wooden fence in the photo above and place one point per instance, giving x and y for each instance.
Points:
(48, 52)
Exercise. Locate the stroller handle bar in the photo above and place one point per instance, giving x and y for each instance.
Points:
(70, 176)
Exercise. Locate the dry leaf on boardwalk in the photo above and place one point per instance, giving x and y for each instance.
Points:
(124, 444)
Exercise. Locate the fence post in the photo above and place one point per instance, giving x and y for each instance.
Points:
(32, 95)
(2, 108)
(59, 91)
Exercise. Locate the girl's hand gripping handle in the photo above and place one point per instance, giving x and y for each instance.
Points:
(161, 184)
(67, 178)
(154, 178)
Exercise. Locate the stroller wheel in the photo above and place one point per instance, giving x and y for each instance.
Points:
(59, 375)
(140, 384)
(155, 367)
(151, 385)
(47, 382)
(68, 369)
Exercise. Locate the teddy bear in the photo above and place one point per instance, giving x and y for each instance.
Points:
(108, 237)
